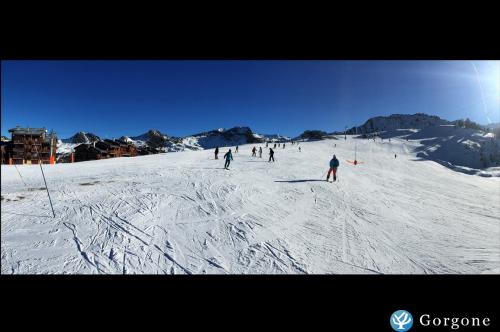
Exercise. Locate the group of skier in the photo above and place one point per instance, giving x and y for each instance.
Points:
(254, 152)
(228, 157)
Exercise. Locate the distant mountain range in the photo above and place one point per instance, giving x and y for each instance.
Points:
(157, 140)
(381, 125)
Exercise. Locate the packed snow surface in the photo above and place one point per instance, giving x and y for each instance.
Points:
(184, 213)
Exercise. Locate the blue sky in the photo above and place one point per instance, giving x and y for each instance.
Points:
(114, 98)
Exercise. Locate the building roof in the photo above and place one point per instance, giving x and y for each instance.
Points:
(112, 143)
(85, 146)
(28, 131)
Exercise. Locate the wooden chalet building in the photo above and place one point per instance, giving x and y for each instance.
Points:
(127, 149)
(32, 146)
(111, 147)
(84, 152)
(103, 150)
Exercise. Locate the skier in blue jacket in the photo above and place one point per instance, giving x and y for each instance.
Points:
(228, 156)
(334, 163)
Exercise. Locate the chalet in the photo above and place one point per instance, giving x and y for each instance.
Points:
(127, 149)
(85, 152)
(33, 146)
(111, 147)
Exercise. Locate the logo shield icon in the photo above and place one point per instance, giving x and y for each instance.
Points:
(401, 321)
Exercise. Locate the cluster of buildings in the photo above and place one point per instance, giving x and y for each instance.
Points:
(37, 145)
(103, 150)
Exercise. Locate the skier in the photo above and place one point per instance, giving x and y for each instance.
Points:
(275, 145)
(236, 149)
(267, 144)
(271, 155)
(260, 151)
(254, 151)
(395, 156)
(283, 145)
(216, 152)
(228, 156)
(334, 163)
(279, 145)
(300, 149)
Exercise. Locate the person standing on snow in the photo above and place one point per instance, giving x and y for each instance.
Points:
(283, 145)
(334, 163)
(271, 155)
(228, 156)
(260, 151)
(216, 152)
(267, 144)
(254, 152)
(236, 149)
(275, 145)
(300, 149)
(395, 156)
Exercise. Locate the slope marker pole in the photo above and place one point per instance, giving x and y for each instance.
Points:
(50, 201)
(43, 175)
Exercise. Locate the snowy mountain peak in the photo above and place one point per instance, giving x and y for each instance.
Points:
(398, 121)
(81, 137)
(126, 139)
(150, 134)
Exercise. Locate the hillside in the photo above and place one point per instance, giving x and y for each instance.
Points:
(397, 121)
(182, 213)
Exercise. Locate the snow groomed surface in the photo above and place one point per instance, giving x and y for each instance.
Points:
(183, 213)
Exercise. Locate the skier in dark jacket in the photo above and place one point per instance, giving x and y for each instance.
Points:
(334, 163)
(283, 145)
(228, 156)
(236, 149)
(275, 145)
(271, 154)
(216, 152)
(267, 144)
(254, 152)
(260, 151)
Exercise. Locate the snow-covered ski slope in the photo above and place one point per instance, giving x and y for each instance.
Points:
(183, 213)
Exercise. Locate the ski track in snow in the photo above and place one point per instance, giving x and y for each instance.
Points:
(183, 213)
